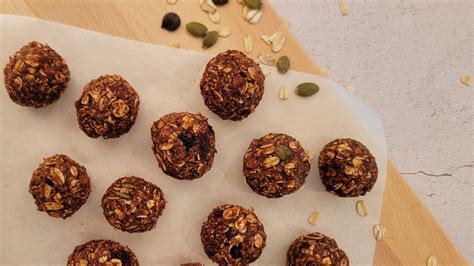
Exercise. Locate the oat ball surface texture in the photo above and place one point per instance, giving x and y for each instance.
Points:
(233, 235)
(108, 107)
(102, 252)
(275, 165)
(232, 85)
(36, 75)
(316, 249)
(183, 144)
(60, 186)
(133, 205)
(347, 168)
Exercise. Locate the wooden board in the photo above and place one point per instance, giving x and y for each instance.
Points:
(411, 232)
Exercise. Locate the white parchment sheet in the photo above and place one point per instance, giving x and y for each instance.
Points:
(167, 80)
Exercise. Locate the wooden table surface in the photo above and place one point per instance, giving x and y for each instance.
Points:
(411, 232)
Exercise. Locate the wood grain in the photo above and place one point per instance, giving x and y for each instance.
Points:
(411, 232)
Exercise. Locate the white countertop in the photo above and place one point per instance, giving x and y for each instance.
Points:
(405, 58)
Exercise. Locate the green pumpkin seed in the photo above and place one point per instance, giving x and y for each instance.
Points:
(196, 29)
(283, 152)
(307, 89)
(253, 4)
(121, 195)
(210, 39)
(283, 64)
(130, 186)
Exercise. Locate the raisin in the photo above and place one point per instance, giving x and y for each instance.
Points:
(235, 251)
(171, 21)
(123, 257)
(220, 2)
(187, 139)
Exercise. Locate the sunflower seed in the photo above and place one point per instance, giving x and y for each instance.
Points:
(248, 44)
(466, 80)
(343, 7)
(431, 261)
(361, 208)
(267, 59)
(313, 218)
(379, 232)
(283, 94)
(214, 17)
(224, 32)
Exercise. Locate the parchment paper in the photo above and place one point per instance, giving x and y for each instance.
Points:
(167, 80)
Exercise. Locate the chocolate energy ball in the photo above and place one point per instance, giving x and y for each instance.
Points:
(347, 168)
(108, 107)
(316, 249)
(184, 145)
(275, 165)
(232, 85)
(102, 252)
(60, 186)
(133, 205)
(233, 235)
(36, 75)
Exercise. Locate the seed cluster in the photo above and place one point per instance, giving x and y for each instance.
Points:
(102, 252)
(108, 107)
(133, 205)
(60, 186)
(233, 235)
(36, 75)
(183, 144)
(232, 85)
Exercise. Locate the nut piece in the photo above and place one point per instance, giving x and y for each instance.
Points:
(275, 165)
(108, 107)
(36, 75)
(133, 205)
(315, 249)
(313, 218)
(184, 145)
(347, 168)
(233, 235)
(232, 85)
(102, 252)
(60, 186)
(379, 232)
(361, 208)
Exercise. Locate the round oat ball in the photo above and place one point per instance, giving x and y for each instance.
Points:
(60, 186)
(316, 249)
(347, 168)
(108, 107)
(102, 252)
(133, 205)
(232, 85)
(275, 165)
(233, 235)
(36, 75)
(184, 145)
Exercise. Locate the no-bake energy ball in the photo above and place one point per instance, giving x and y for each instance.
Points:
(36, 75)
(316, 249)
(347, 168)
(60, 186)
(108, 107)
(233, 235)
(275, 165)
(102, 252)
(133, 205)
(184, 145)
(232, 85)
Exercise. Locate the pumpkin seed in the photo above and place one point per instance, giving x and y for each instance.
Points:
(253, 4)
(283, 64)
(196, 29)
(361, 208)
(283, 152)
(121, 195)
(307, 89)
(210, 39)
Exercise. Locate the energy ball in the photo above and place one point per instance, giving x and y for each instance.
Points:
(275, 165)
(316, 249)
(347, 168)
(36, 75)
(133, 205)
(60, 186)
(232, 85)
(184, 145)
(102, 252)
(233, 235)
(108, 107)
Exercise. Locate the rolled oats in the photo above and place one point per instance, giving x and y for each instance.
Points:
(248, 44)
